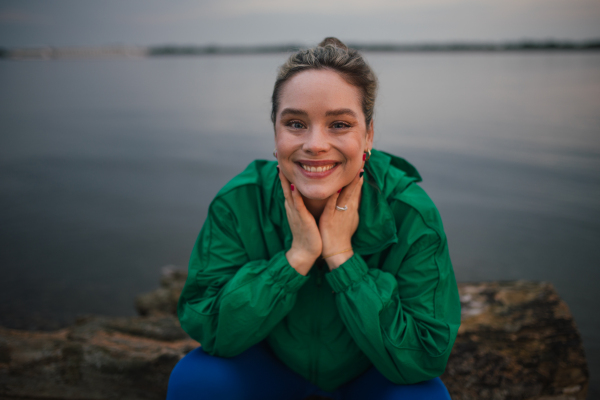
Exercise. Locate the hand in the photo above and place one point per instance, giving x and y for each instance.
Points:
(337, 227)
(307, 245)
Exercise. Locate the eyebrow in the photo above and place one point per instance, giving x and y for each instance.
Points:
(292, 111)
(341, 111)
(334, 113)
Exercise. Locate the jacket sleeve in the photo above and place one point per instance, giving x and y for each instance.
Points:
(404, 316)
(229, 302)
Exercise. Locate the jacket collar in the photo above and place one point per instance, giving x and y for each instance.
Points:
(377, 227)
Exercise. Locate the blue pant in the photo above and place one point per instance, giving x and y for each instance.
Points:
(257, 374)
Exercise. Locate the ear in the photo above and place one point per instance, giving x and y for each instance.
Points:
(370, 133)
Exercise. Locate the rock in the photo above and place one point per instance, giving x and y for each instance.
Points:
(163, 301)
(518, 340)
(97, 358)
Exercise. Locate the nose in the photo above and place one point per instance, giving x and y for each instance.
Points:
(316, 141)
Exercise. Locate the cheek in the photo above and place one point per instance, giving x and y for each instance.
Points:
(284, 146)
(353, 165)
(353, 169)
(283, 155)
(354, 153)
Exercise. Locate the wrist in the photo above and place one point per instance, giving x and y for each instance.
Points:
(336, 260)
(300, 260)
(334, 249)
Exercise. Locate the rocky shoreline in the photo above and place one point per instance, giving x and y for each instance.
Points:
(518, 340)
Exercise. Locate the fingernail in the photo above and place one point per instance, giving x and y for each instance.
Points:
(340, 191)
(292, 186)
(361, 174)
(364, 156)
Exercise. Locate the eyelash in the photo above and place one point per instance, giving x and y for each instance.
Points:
(291, 123)
(345, 125)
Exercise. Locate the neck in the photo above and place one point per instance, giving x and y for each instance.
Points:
(315, 207)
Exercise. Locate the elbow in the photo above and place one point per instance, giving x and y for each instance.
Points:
(435, 336)
(425, 357)
(435, 367)
(197, 326)
(419, 369)
(432, 363)
(429, 374)
(204, 329)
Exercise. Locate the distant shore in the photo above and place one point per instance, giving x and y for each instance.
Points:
(48, 52)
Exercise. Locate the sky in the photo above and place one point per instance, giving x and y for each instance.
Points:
(239, 22)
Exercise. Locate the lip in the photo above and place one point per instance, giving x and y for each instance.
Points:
(317, 163)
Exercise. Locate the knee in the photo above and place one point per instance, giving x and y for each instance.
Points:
(183, 377)
(199, 375)
(372, 384)
(437, 389)
(433, 389)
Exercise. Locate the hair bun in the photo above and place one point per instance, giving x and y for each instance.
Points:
(335, 42)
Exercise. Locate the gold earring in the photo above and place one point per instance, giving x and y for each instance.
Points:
(275, 152)
(367, 154)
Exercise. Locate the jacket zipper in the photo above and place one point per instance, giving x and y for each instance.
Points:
(316, 326)
(319, 274)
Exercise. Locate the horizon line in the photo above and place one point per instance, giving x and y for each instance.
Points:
(50, 52)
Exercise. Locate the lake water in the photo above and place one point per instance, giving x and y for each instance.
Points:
(107, 168)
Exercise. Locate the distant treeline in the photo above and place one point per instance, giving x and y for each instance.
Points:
(382, 47)
(175, 50)
(214, 49)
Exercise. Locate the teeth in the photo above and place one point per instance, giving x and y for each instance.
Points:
(317, 169)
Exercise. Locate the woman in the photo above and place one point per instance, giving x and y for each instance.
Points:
(326, 272)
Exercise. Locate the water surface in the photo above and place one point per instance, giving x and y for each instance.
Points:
(107, 168)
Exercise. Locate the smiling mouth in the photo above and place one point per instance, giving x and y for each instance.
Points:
(320, 168)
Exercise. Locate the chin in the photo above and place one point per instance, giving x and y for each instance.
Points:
(316, 193)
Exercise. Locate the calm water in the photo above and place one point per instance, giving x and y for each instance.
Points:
(107, 168)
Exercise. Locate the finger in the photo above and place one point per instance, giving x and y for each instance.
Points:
(285, 185)
(331, 203)
(292, 213)
(297, 198)
(350, 191)
(288, 209)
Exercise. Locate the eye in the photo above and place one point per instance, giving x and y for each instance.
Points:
(340, 125)
(295, 124)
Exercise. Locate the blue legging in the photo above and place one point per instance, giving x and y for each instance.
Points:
(257, 374)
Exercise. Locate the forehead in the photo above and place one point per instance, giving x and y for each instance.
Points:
(318, 91)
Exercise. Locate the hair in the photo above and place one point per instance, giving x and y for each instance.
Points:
(334, 55)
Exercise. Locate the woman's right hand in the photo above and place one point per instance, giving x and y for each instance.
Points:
(306, 245)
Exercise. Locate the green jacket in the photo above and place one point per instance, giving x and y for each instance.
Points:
(394, 304)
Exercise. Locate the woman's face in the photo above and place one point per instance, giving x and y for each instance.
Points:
(320, 132)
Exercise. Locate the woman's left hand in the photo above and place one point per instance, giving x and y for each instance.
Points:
(337, 227)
